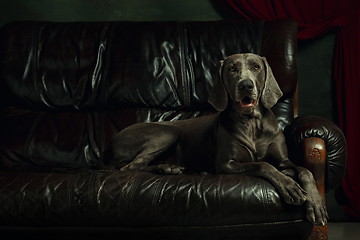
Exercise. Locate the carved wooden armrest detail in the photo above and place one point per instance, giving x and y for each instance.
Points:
(315, 160)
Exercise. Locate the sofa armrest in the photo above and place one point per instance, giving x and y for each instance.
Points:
(308, 138)
(320, 146)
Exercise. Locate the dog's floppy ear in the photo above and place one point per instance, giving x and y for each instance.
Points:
(218, 96)
(271, 92)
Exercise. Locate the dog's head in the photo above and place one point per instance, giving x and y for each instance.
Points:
(245, 79)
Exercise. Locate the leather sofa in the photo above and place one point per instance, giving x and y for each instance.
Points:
(68, 88)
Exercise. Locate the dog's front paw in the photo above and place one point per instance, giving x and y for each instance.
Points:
(169, 169)
(291, 191)
(316, 211)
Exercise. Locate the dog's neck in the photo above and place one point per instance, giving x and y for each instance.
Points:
(245, 127)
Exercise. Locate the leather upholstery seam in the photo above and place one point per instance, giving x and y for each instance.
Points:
(191, 76)
(92, 195)
(266, 201)
(128, 204)
(108, 46)
(182, 50)
(155, 201)
(35, 52)
(109, 40)
(187, 66)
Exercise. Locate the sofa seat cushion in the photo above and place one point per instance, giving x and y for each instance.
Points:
(138, 199)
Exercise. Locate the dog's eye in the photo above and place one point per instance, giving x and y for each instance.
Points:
(256, 67)
(232, 69)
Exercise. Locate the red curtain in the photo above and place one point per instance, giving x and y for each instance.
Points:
(315, 18)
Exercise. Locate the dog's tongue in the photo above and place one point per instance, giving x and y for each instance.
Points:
(247, 102)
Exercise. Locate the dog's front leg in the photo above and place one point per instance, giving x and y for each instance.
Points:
(315, 207)
(291, 191)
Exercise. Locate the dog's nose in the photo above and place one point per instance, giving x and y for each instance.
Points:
(246, 85)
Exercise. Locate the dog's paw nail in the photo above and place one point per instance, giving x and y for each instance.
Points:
(167, 171)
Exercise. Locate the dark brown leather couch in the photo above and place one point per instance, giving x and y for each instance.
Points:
(68, 88)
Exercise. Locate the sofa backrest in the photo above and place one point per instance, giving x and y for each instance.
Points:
(68, 88)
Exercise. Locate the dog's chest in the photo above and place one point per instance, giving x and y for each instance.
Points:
(256, 139)
(261, 148)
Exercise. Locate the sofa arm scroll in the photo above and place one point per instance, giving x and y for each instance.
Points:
(303, 128)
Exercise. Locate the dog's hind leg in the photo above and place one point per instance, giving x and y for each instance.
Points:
(145, 147)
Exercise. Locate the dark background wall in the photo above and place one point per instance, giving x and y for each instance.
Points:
(315, 58)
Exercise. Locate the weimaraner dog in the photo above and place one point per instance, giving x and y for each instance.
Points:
(242, 138)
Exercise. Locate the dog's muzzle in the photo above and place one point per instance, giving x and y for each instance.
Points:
(247, 97)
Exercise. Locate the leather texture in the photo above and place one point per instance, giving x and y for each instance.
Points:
(138, 199)
(67, 89)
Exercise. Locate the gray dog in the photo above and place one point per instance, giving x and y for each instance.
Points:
(242, 138)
